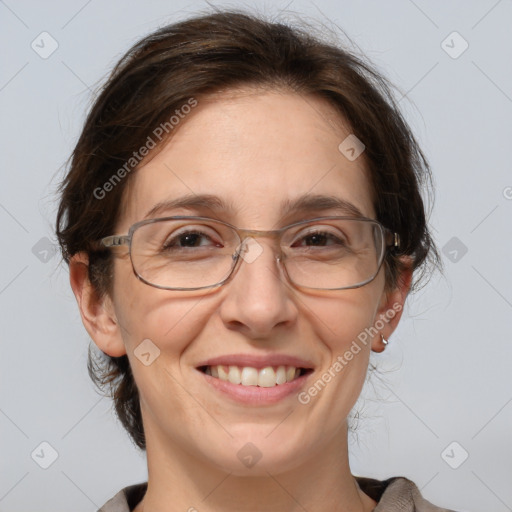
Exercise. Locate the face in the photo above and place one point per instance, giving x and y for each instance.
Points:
(254, 150)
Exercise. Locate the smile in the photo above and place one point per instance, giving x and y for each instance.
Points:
(266, 377)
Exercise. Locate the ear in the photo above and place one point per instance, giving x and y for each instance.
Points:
(392, 305)
(97, 313)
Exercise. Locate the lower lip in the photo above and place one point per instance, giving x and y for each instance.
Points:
(256, 395)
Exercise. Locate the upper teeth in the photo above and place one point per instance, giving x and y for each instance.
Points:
(248, 376)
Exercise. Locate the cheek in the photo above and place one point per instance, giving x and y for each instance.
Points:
(169, 319)
(170, 323)
(345, 318)
(342, 324)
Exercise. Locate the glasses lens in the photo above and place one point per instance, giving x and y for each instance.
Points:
(186, 253)
(334, 253)
(198, 253)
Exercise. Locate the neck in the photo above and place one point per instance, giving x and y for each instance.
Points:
(177, 481)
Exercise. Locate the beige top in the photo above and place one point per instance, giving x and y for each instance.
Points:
(397, 494)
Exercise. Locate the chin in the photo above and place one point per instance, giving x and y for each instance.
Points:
(256, 453)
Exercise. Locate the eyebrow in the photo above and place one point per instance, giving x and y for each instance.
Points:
(307, 203)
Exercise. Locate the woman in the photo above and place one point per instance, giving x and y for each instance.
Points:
(243, 222)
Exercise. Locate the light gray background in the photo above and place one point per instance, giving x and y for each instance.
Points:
(449, 361)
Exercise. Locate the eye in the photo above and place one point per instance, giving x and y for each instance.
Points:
(189, 239)
(321, 238)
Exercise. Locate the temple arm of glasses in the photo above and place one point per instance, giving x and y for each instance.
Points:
(392, 239)
(111, 241)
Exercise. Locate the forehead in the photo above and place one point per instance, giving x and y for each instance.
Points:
(258, 151)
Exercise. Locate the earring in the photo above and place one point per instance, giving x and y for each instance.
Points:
(384, 340)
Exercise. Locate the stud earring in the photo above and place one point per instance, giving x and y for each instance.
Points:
(384, 340)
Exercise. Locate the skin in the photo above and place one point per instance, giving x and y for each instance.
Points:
(255, 148)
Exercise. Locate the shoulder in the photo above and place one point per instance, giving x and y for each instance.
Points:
(126, 499)
(397, 494)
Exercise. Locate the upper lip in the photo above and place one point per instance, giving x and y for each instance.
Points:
(257, 361)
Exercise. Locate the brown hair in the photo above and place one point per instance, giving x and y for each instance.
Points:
(200, 56)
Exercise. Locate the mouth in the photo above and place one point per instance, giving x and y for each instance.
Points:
(248, 376)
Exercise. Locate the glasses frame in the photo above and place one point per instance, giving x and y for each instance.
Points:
(389, 237)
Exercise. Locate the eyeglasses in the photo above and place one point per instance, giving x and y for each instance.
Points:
(192, 253)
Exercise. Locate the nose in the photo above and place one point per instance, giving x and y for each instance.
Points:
(258, 297)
